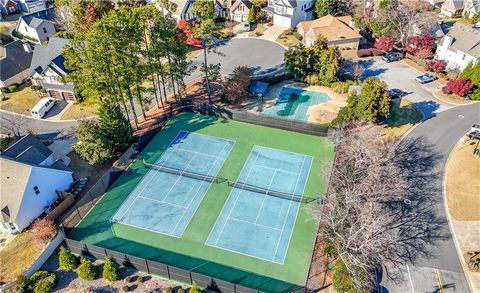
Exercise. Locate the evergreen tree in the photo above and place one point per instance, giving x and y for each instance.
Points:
(114, 128)
(473, 74)
(296, 61)
(90, 144)
(252, 14)
(332, 7)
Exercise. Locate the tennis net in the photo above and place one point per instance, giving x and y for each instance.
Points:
(284, 195)
(189, 174)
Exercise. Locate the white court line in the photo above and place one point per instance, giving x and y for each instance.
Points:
(190, 151)
(251, 223)
(282, 170)
(236, 200)
(265, 196)
(288, 211)
(162, 202)
(225, 204)
(133, 193)
(196, 193)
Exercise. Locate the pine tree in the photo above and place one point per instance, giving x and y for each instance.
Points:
(114, 128)
(252, 14)
(90, 144)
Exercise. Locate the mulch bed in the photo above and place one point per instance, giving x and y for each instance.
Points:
(320, 276)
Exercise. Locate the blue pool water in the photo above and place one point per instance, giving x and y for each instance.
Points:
(293, 103)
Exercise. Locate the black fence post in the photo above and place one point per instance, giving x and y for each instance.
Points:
(168, 272)
(146, 264)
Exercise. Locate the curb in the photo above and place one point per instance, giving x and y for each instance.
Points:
(415, 125)
(450, 103)
(449, 218)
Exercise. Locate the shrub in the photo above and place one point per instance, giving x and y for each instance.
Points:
(461, 86)
(125, 288)
(129, 279)
(181, 290)
(364, 53)
(168, 290)
(111, 271)
(341, 87)
(42, 282)
(437, 66)
(36, 88)
(43, 231)
(21, 284)
(342, 281)
(67, 260)
(298, 36)
(385, 44)
(87, 270)
(13, 88)
(17, 34)
(194, 288)
(446, 90)
(140, 279)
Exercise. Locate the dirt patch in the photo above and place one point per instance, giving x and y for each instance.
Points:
(463, 172)
(325, 112)
(80, 111)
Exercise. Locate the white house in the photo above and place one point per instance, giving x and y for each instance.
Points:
(48, 69)
(460, 46)
(8, 7)
(238, 10)
(38, 26)
(30, 180)
(452, 8)
(288, 13)
(30, 6)
(15, 59)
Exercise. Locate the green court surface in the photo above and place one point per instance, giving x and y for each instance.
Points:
(190, 251)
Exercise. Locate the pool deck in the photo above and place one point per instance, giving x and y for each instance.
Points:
(320, 114)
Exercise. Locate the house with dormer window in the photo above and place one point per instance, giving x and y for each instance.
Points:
(289, 13)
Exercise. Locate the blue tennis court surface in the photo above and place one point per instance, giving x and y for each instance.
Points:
(257, 224)
(164, 202)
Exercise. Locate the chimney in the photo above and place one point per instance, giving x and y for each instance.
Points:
(27, 47)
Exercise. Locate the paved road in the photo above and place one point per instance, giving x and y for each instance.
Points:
(37, 126)
(443, 131)
(401, 76)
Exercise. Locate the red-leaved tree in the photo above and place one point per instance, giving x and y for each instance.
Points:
(437, 66)
(460, 86)
(43, 231)
(90, 17)
(385, 44)
(420, 46)
(186, 28)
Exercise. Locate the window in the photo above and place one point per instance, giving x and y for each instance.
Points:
(44, 30)
(464, 56)
(37, 191)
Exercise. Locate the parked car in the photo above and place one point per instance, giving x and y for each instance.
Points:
(246, 26)
(42, 107)
(475, 127)
(425, 78)
(474, 135)
(396, 93)
(392, 56)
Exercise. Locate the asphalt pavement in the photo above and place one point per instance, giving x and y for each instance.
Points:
(442, 267)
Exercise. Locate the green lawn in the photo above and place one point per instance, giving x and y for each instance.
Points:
(189, 251)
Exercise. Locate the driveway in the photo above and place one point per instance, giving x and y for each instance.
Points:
(10, 122)
(401, 76)
(260, 55)
(442, 265)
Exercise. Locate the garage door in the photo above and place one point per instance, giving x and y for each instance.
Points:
(281, 20)
(56, 95)
(237, 17)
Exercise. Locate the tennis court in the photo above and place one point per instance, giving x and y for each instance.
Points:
(169, 194)
(258, 222)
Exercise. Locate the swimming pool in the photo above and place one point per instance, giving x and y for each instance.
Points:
(293, 103)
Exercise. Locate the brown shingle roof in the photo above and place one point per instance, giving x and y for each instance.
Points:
(465, 39)
(332, 28)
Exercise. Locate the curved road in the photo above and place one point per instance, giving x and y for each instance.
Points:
(9, 120)
(443, 131)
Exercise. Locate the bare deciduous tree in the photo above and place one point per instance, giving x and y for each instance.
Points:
(13, 125)
(376, 212)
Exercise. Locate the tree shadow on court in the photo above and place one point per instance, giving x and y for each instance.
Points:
(419, 218)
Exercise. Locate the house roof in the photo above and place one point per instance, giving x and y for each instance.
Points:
(14, 60)
(330, 27)
(465, 39)
(453, 5)
(238, 2)
(36, 18)
(28, 150)
(13, 187)
(43, 56)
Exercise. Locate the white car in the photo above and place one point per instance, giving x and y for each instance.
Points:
(42, 107)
